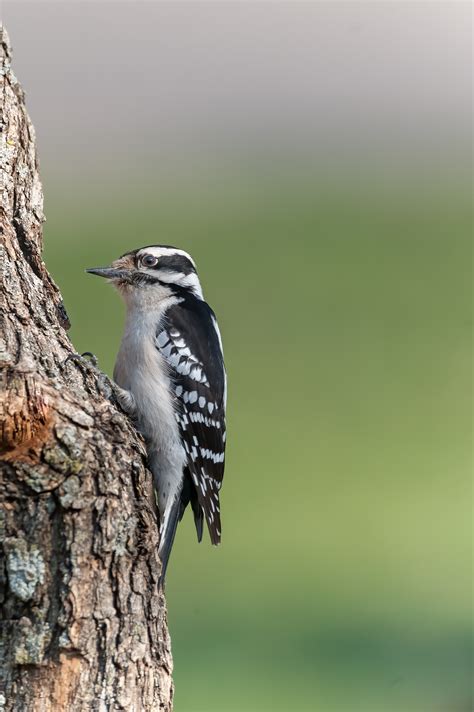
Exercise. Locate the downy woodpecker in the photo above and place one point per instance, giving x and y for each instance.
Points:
(171, 380)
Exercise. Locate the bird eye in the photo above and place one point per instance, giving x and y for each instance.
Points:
(149, 260)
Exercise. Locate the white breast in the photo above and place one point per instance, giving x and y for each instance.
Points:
(142, 370)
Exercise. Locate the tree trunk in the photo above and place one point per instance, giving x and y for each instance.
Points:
(83, 625)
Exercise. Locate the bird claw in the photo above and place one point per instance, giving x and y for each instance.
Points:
(80, 359)
(92, 358)
(109, 389)
(104, 384)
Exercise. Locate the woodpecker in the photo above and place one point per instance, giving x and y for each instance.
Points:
(170, 378)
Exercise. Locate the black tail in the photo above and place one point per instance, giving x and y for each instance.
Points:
(188, 495)
(167, 534)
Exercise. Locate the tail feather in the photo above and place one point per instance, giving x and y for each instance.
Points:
(169, 522)
(198, 517)
(188, 495)
(167, 534)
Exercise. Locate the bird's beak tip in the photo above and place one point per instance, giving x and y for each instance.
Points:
(107, 272)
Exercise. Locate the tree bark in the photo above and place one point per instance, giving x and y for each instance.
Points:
(83, 625)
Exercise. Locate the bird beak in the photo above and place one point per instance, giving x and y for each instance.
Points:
(109, 272)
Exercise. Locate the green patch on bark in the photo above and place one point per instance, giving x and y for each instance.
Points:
(25, 568)
(30, 642)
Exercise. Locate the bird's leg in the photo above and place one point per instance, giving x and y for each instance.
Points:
(108, 388)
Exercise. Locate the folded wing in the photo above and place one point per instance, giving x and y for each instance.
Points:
(189, 341)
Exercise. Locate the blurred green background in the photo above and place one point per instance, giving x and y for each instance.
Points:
(314, 158)
(343, 580)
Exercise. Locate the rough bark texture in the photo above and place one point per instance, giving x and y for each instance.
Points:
(83, 626)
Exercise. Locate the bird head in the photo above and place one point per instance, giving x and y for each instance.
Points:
(154, 270)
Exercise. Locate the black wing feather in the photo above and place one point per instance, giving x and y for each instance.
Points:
(189, 341)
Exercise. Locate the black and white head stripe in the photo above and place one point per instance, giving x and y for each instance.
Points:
(169, 265)
(168, 257)
(161, 251)
(189, 342)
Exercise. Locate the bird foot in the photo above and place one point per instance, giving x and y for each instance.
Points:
(87, 361)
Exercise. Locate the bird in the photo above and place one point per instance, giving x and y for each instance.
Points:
(170, 378)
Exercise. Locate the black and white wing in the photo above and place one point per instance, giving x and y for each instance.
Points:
(189, 340)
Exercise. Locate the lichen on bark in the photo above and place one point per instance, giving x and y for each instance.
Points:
(82, 624)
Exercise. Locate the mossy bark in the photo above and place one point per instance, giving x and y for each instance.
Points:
(83, 626)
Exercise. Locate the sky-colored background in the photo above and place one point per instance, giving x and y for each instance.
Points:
(315, 160)
(156, 83)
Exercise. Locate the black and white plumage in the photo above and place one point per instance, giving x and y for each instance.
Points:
(171, 378)
(189, 340)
